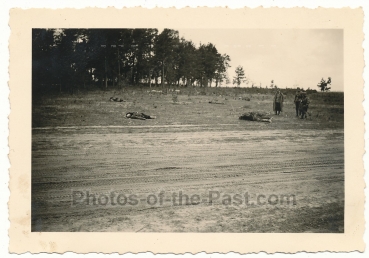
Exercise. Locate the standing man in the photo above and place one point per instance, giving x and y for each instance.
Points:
(304, 105)
(297, 102)
(278, 102)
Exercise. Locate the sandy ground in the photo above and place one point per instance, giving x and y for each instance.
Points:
(140, 161)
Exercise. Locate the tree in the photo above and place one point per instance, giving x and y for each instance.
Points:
(143, 42)
(209, 60)
(43, 47)
(272, 84)
(221, 69)
(165, 45)
(74, 57)
(65, 56)
(323, 85)
(240, 76)
(187, 62)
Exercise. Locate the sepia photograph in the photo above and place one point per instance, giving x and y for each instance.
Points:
(188, 130)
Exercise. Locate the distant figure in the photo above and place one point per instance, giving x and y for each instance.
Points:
(278, 102)
(304, 105)
(141, 116)
(297, 102)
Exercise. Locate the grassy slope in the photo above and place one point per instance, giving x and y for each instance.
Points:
(94, 108)
(320, 188)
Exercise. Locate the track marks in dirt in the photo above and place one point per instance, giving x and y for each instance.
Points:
(262, 161)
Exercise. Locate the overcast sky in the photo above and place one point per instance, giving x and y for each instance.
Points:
(293, 58)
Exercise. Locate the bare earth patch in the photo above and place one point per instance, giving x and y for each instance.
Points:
(304, 163)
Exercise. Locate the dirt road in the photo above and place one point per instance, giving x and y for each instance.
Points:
(70, 163)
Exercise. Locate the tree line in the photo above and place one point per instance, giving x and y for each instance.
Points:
(74, 58)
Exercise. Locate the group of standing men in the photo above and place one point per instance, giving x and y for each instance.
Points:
(301, 103)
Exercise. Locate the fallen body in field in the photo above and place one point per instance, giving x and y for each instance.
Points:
(116, 99)
(256, 116)
(216, 102)
(141, 116)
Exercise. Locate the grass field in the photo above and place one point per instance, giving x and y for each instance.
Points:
(83, 143)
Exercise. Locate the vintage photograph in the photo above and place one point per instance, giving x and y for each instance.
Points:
(187, 130)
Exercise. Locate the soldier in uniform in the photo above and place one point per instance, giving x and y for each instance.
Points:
(278, 102)
(304, 105)
(297, 101)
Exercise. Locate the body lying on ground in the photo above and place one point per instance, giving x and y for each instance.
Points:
(256, 116)
(116, 99)
(155, 91)
(216, 102)
(173, 90)
(141, 116)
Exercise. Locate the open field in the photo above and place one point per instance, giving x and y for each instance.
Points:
(83, 143)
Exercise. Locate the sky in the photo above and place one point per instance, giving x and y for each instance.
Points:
(292, 58)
